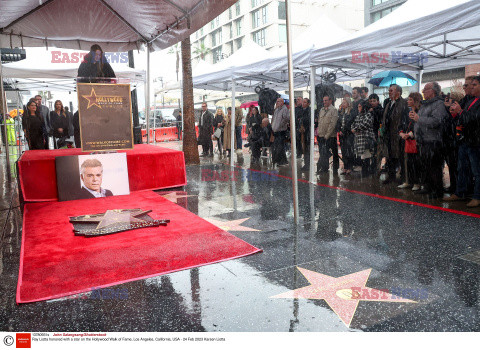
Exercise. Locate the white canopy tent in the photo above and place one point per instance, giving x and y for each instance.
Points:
(38, 72)
(426, 35)
(255, 66)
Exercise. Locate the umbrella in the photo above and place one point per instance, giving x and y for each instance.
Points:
(227, 103)
(246, 105)
(14, 112)
(390, 77)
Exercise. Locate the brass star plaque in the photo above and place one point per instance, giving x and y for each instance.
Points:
(113, 221)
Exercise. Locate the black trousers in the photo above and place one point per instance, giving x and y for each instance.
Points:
(327, 148)
(451, 158)
(208, 147)
(431, 157)
(278, 149)
(413, 168)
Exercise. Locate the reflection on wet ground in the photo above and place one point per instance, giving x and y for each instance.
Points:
(412, 251)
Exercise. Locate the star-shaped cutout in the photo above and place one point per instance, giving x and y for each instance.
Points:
(173, 196)
(232, 225)
(92, 99)
(113, 218)
(342, 294)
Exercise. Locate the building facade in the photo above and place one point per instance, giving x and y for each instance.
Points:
(376, 9)
(264, 22)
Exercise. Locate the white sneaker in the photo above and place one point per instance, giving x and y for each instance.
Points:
(404, 185)
(415, 187)
(357, 168)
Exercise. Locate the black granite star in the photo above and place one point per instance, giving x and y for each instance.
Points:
(113, 221)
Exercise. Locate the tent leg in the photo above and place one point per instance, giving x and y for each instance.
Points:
(4, 107)
(312, 124)
(232, 124)
(293, 156)
(419, 80)
(147, 95)
(155, 120)
(181, 108)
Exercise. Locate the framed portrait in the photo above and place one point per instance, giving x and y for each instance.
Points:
(92, 176)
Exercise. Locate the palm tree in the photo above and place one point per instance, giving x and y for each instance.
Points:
(201, 51)
(190, 146)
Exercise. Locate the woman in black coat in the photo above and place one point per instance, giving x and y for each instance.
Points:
(61, 123)
(94, 67)
(34, 127)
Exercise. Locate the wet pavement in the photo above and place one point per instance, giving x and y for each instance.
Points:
(415, 252)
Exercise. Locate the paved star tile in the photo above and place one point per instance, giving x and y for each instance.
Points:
(232, 225)
(173, 196)
(342, 294)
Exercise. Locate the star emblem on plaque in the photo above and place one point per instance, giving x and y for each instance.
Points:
(92, 99)
(342, 294)
(113, 221)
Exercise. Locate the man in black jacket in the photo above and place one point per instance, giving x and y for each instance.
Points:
(298, 116)
(468, 127)
(91, 174)
(205, 131)
(304, 123)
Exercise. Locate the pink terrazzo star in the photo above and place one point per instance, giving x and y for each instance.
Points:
(342, 294)
(233, 225)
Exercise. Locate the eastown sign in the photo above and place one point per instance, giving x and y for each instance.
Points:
(77, 57)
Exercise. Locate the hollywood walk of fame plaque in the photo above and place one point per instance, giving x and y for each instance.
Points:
(113, 221)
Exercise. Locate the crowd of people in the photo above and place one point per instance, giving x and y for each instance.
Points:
(409, 139)
(40, 125)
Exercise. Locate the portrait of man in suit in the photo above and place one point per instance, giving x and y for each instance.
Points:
(91, 174)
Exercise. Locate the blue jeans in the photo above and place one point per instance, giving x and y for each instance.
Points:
(468, 166)
(238, 134)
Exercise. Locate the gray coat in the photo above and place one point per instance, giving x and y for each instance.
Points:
(432, 115)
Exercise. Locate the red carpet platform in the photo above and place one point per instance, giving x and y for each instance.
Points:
(149, 168)
(54, 263)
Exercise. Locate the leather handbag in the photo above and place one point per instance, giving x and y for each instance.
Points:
(217, 133)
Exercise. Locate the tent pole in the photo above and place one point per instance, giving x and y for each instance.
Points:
(155, 120)
(181, 108)
(293, 156)
(232, 124)
(312, 124)
(4, 108)
(147, 95)
(419, 80)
